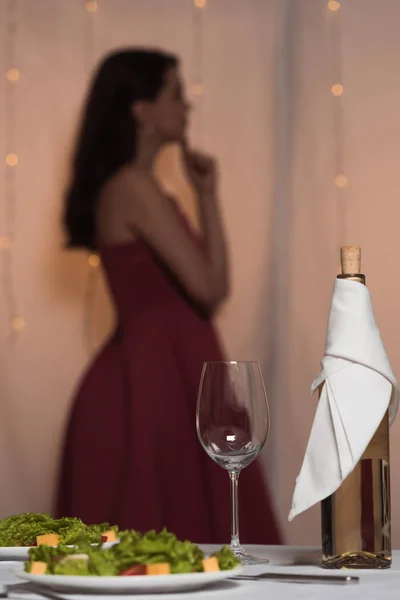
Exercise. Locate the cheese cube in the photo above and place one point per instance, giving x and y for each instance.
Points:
(50, 539)
(158, 569)
(38, 568)
(110, 535)
(210, 564)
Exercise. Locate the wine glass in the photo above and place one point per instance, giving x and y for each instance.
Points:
(232, 422)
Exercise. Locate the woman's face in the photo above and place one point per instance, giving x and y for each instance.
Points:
(168, 115)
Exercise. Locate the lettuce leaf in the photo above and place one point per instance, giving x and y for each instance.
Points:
(22, 530)
(103, 562)
(72, 567)
(132, 549)
(226, 559)
(46, 554)
(153, 547)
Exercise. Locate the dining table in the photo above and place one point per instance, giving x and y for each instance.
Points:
(372, 584)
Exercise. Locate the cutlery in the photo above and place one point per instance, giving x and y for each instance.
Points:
(6, 590)
(299, 578)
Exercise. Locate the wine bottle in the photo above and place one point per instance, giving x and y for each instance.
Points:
(356, 520)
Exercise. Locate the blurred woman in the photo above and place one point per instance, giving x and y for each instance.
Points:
(131, 452)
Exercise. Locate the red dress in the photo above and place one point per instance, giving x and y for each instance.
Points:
(131, 454)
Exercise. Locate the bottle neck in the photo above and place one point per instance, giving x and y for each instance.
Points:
(359, 277)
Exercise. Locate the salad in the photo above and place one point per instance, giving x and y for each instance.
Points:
(33, 529)
(136, 554)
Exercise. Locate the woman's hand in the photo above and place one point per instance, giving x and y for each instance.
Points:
(201, 170)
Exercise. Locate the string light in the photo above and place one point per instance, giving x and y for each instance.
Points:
(340, 179)
(7, 230)
(337, 89)
(17, 323)
(94, 260)
(11, 160)
(91, 6)
(198, 88)
(5, 242)
(13, 75)
(333, 5)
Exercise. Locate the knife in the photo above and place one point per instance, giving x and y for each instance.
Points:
(299, 578)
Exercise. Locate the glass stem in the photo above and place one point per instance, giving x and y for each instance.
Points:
(234, 477)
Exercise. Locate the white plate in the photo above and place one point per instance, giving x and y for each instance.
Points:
(143, 584)
(21, 552)
(14, 552)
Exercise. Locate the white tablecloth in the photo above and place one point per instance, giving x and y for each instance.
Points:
(374, 585)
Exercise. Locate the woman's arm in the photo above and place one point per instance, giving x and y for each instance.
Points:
(214, 245)
(150, 215)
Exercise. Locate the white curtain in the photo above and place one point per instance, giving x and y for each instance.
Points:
(319, 217)
(267, 113)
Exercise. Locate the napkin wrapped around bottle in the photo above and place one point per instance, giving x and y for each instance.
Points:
(357, 388)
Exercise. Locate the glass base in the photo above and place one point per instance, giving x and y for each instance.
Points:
(247, 559)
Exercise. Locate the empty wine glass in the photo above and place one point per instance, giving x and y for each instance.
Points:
(232, 422)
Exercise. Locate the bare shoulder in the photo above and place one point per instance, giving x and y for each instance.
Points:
(131, 201)
(134, 185)
(123, 198)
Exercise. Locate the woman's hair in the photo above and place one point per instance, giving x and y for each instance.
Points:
(107, 136)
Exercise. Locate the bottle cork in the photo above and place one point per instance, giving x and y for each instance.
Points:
(350, 258)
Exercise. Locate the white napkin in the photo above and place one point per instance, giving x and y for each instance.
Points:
(358, 388)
